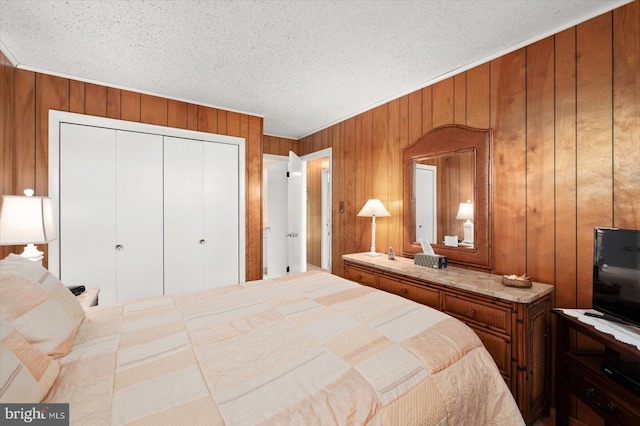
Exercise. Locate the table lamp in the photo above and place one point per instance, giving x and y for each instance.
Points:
(372, 209)
(465, 212)
(27, 220)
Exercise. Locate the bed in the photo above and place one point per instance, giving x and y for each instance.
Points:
(311, 348)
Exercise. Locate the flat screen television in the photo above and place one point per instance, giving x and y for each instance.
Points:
(616, 274)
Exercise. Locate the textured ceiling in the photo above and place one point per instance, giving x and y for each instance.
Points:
(302, 65)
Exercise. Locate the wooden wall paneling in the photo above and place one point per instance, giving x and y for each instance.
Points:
(427, 110)
(460, 99)
(366, 178)
(51, 93)
(565, 169)
(254, 204)
(25, 130)
(271, 145)
(313, 211)
(349, 196)
(95, 99)
(594, 142)
(337, 219)
(508, 119)
(360, 198)
(113, 102)
(153, 110)
(394, 188)
(76, 96)
(7, 138)
(285, 146)
(233, 123)
(380, 171)
(177, 114)
(626, 116)
(415, 117)
(540, 161)
(478, 101)
(192, 118)
(222, 122)
(130, 106)
(442, 103)
(207, 119)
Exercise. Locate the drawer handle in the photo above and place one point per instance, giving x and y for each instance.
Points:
(471, 313)
(404, 291)
(591, 395)
(359, 276)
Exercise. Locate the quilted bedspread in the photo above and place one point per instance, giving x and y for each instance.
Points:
(306, 349)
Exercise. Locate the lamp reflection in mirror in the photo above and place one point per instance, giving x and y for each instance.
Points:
(27, 220)
(465, 212)
(373, 208)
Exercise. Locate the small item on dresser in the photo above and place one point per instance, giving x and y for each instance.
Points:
(392, 255)
(76, 289)
(513, 280)
(436, 261)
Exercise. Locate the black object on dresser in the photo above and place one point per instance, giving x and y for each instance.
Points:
(608, 393)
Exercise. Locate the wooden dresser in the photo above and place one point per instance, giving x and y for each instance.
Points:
(513, 323)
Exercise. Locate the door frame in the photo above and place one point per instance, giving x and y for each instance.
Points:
(56, 118)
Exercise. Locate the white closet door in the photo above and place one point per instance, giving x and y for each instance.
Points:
(88, 208)
(184, 237)
(139, 215)
(221, 215)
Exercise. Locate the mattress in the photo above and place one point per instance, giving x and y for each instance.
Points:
(311, 348)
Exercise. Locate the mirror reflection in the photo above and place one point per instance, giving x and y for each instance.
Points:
(444, 189)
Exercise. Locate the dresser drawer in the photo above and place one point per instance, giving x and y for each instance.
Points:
(360, 276)
(495, 317)
(425, 295)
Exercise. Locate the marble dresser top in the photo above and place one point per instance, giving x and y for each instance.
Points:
(463, 279)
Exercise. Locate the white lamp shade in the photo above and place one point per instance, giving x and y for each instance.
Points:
(465, 212)
(373, 208)
(26, 220)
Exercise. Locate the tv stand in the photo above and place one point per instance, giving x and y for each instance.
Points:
(581, 373)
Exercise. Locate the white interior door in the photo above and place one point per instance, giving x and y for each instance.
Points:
(183, 216)
(88, 208)
(139, 221)
(297, 214)
(221, 214)
(276, 219)
(426, 209)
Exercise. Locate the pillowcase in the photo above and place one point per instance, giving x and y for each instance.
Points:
(38, 305)
(26, 374)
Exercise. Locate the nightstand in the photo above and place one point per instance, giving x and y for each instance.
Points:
(89, 298)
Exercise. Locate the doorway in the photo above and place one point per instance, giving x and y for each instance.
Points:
(316, 193)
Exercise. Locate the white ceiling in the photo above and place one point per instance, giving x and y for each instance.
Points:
(302, 65)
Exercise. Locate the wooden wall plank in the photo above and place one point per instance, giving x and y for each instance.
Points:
(366, 177)
(349, 188)
(626, 116)
(113, 102)
(25, 130)
(207, 119)
(7, 136)
(337, 219)
(153, 109)
(508, 119)
(565, 169)
(76, 96)
(427, 110)
(222, 122)
(479, 96)
(254, 201)
(443, 98)
(594, 142)
(95, 100)
(177, 114)
(394, 196)
(360, 197)
(130, 106)
(192, 118)
(233, 123)
(380, 171)
(540, 160)
(460, 99)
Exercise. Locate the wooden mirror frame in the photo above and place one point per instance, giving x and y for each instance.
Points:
(450, 139)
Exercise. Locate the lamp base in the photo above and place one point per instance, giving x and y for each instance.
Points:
(32, 253)
(373, 254)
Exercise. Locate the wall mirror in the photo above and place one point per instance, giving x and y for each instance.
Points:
(446, 193)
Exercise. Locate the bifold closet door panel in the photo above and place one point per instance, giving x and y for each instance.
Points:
(221, 215)
(184, 237)
(139, 200)
(88, 208)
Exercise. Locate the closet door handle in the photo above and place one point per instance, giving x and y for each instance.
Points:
(119, 247)
(202, 241)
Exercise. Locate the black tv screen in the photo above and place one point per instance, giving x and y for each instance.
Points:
(616, 274)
